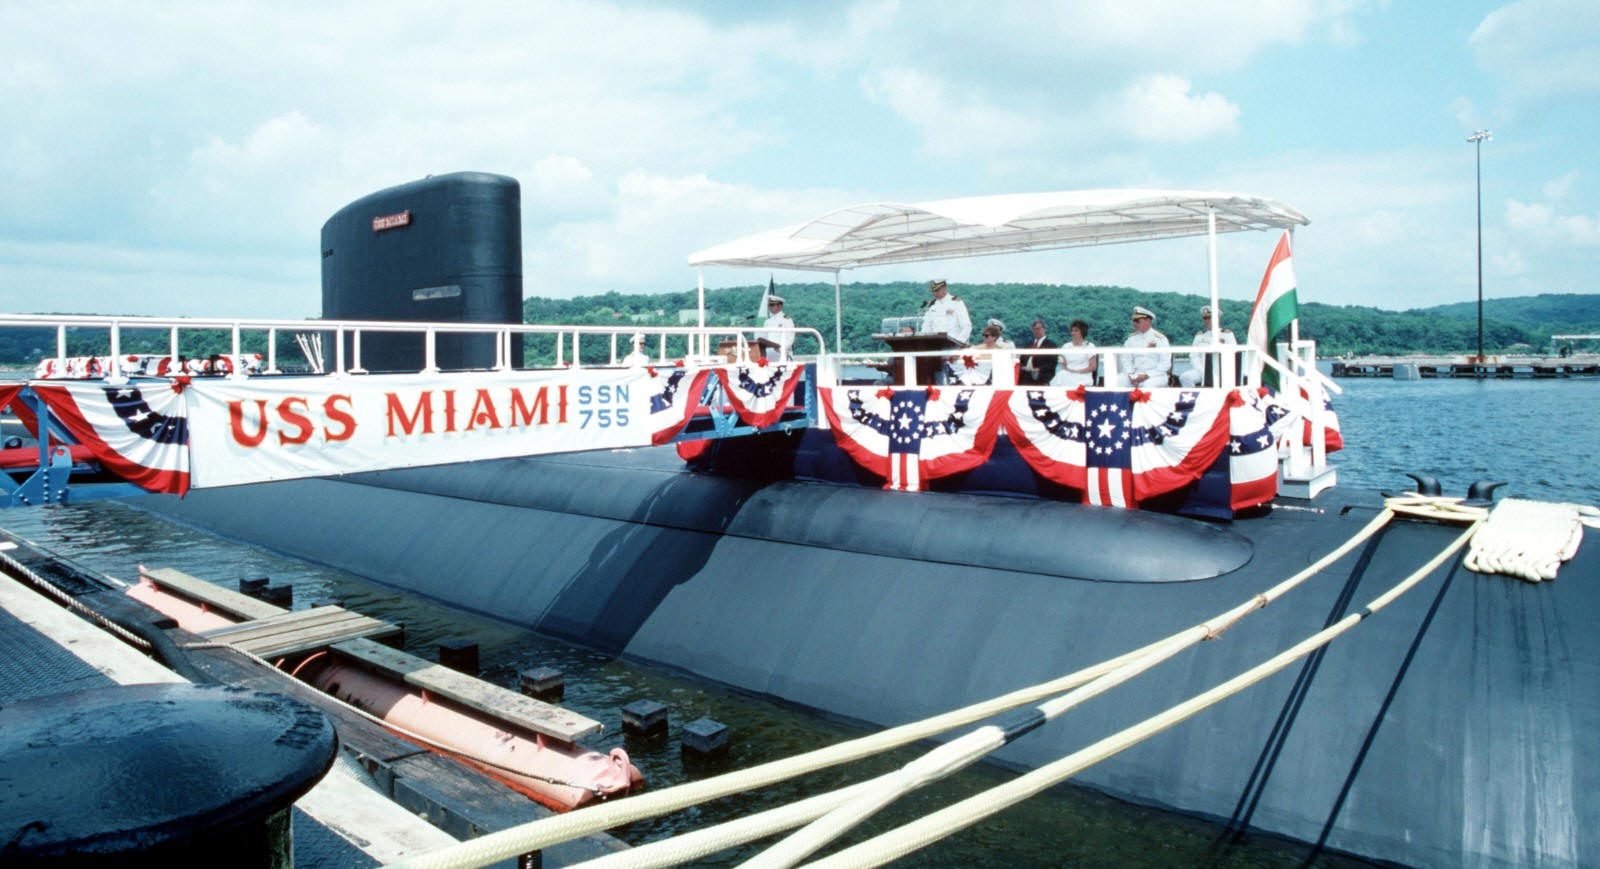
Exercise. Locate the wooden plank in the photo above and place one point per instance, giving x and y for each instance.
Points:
(292, 632)
(283, 622)
(563, 724)
(227, 600)
(316, 638)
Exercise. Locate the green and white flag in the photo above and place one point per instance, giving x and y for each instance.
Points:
(1276, 304)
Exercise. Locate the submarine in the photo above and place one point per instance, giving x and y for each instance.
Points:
(1458, 725)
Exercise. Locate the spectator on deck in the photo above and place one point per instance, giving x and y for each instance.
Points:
(1078, 359)
(1040, 369)
(1147, 370)
(779, 329)
(1203, 367)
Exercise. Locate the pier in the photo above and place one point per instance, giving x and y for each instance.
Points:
(1498, 367)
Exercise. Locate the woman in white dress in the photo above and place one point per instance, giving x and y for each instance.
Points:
(1078, 359)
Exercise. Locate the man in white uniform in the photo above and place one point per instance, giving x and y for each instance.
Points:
(946, 313)
(1198, 362)
(779, 330)
(1144, 370)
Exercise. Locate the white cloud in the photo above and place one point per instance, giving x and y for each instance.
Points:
(1541, 48)
(1510, 263)
(1160, 108)
(1542, 221)
(1561, 188)
(1466, 114)
(952, 123)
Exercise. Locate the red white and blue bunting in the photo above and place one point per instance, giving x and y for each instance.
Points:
(760, 392)
(911, 436)
(1120, 446)
(140, 431)
(1253, 450)
(674, 397)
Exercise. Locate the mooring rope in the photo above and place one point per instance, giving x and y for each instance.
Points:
(930, 828)
(1528, 539)
(45, 586)
(538, 834)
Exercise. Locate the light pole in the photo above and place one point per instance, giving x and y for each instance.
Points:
(1477, 139)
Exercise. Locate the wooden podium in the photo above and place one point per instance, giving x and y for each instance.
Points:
(927, 366)
(728, 348)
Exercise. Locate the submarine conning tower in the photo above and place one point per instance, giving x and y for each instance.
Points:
(447, 248)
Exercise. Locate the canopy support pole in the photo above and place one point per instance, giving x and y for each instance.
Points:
(838, 316)
(1211, 255)
(700, 282)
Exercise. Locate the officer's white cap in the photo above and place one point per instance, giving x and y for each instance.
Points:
(995, 321)
(1205, 311)
(1142, 311)
(774, 300)
(935, 284)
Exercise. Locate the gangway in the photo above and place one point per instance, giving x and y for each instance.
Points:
(119, 423)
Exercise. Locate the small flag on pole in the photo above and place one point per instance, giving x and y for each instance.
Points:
(1276, 304)
(761, 313)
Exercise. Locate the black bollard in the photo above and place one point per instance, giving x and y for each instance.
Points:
(644, 718)
(705, 737)
(460, 655)
(543, 683)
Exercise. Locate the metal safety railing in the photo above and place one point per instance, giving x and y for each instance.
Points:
(569, 348)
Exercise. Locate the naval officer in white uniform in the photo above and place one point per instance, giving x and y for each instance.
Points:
(1145, 370)
(779, 330)
(1198, 362)
(946, 313)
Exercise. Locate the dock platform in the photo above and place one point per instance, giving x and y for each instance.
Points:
(1464, 367)
(386, 799)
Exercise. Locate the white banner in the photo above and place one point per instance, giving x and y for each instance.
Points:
(251, 431)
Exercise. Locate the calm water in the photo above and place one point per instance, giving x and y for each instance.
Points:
(1535, 434)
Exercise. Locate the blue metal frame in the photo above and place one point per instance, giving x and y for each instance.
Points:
(725, 422)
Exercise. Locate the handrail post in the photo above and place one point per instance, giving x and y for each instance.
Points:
(272, 351)
(61, 343)
(238, 372)
(430, 359)
(338, 349)
(173, 347)
(355, 352)
(114, 374)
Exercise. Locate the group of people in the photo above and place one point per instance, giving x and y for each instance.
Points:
(1077, 362)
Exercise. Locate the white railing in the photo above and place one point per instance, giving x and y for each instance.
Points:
(696, 343)
(1230, 358)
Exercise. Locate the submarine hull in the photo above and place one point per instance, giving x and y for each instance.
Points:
(1458, 726)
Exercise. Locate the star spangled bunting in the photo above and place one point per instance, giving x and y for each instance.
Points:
(1253, 451)
(1108, 442)
(911, 436)
(759, 393)
(1077, 438)
(139, 432)
(675, 397)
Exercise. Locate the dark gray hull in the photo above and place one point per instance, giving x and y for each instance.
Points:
(1460, 726)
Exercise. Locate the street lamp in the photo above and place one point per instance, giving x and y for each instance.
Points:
(1477, 139)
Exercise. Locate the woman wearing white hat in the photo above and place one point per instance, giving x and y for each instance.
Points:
(1145, 370)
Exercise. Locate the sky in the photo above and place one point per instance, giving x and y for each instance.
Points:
(180, 158)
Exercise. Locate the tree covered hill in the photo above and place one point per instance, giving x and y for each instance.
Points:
(1338, 329)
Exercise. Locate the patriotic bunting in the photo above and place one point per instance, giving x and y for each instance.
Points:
(911, 436)
(139, 431)
(1120, 446)
(761, 391)
(675, 395)
(1253, 450)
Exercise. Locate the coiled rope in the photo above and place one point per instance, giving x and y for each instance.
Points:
(539, 834)
(1529, 539)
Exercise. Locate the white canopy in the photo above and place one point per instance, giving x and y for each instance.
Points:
(890, 232)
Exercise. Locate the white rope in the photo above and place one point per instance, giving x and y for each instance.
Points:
(931, 828)
(45, 586)
(1528, 539)
(539, 834)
